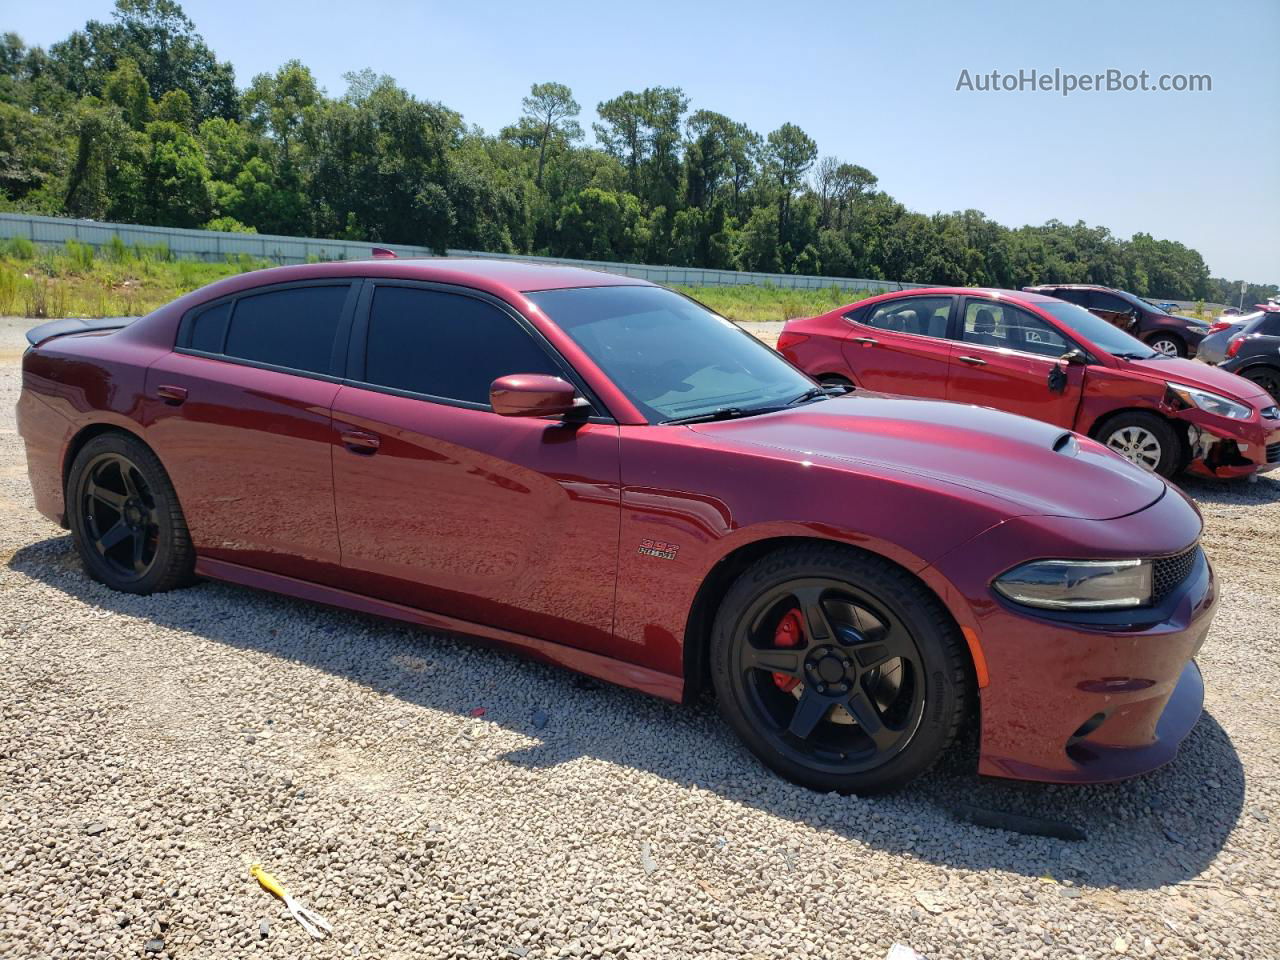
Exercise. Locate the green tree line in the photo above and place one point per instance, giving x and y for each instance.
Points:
(135, 119)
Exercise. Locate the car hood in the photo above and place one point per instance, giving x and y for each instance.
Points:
(1035, 468)
(1193, 373)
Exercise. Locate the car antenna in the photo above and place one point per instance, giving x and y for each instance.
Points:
(382, 253)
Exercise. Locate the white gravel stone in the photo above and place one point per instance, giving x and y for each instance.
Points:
(215, 727)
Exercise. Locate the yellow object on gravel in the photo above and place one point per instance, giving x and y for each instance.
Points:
(311, 921)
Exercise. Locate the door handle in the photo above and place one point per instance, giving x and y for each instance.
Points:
(976, 361)
(865, 341)
(357, 441)
(170, 394)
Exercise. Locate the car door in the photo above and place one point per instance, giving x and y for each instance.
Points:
(238, 414)
(1004, 357)
(1115, 310)
(901, 346)
(449, 507)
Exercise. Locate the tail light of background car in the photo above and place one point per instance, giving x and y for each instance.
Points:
(1234, 346)
(1220, 325)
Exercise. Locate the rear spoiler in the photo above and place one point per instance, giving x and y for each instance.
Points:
(60, 328)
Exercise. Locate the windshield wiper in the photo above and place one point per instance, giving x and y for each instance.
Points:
(724, 413)
(1137, 356)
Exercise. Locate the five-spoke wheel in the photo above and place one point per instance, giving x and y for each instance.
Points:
(827, 660)
(128, 526)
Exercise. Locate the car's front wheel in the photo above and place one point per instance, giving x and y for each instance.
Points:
(839, 670)
(1145, 439)
(124, 514)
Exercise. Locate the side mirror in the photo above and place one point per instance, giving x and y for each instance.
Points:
(1074, 357)
(531, 395)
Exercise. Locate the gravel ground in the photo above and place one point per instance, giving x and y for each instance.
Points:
(151, 749)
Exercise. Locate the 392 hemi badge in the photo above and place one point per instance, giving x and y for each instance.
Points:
(659, 548)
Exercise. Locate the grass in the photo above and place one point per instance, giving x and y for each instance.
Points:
(770, 304)
(76, 281)
(43, 283)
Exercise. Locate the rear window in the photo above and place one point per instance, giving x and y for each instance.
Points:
(287, 328)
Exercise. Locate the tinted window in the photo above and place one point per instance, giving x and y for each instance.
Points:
(1099, 300)
(993, 324)
(209, 329)
(923, 316)
(1069, 294)
(672, 357)
(289, 328)
(446, 345)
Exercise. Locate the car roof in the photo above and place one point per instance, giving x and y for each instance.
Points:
(1025, 296)
(499, 277)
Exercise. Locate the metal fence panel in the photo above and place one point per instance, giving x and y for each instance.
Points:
(213, 245)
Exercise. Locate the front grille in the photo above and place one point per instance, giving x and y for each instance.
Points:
(1169, 572)
(1273, 453)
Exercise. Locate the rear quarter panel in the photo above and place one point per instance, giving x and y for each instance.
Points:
(67, 384)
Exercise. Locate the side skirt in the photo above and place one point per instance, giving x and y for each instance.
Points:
(595, 665)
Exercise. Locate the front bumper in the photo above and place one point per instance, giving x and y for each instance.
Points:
(1085, 702)
(1223, 449)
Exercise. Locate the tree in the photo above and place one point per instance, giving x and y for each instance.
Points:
(549, 113)
(164, 44)
(126, 87)
(790, 154)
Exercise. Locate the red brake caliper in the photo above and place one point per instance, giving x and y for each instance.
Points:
(789, 634)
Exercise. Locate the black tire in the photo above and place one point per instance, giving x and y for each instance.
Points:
(918, 697)
(1268, 378)
(125, 517)
(835, 380)
(1168, 344)
(1146, 439)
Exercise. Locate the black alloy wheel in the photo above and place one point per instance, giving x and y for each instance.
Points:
(838, 670)
(122, 509)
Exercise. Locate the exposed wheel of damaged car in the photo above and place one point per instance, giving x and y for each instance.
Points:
(838, 670)
(125, 517)
(1145, 439)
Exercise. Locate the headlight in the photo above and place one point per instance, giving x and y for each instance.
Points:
(1210, 402)
(1079, 584)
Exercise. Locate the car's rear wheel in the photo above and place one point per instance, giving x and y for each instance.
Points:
(839, 670)
(1267, 378)
(1145, 439)
(1168, 345)
(125, 517)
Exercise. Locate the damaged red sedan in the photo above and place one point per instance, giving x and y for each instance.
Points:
(1045, 358)
(603, 474)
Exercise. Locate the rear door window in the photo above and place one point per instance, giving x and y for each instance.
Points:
(292, 328)
(922, 316)
(446, 345)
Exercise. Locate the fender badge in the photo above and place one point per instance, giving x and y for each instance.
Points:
(659, 548)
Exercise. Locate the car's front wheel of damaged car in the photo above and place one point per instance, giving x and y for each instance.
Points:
(838, 669)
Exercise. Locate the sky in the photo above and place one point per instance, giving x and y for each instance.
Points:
(873, 83)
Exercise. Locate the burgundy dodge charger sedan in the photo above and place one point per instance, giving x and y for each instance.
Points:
(603, 474)
(1049, 359)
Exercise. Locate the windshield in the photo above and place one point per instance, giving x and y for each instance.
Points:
(1097, 331)
(672, 357)
(1154, 306)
